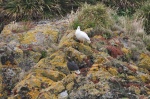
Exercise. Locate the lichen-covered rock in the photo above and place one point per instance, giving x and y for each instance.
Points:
(33, 63)
(113, 71)
(10, 76)
(144, 61)
(47, 95)
(58, 62)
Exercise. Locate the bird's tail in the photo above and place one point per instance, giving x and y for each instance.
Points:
(77, 72)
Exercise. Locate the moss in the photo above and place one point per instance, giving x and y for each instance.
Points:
(43, 54)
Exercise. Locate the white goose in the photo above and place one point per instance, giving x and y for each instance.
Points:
(82, 36)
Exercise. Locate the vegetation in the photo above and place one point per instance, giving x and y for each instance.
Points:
(92, 17)
(125, 7)
(37, 9)
(144, 12)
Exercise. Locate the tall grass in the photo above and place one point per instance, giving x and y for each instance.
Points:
(92, 16)
(144, 13)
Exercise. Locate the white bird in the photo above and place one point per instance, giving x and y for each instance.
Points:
(82, 36)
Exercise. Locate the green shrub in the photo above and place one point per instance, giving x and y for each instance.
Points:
(28, 9)
(43, 54)
(92, 16)
(38, 9)
(125, 7)
(144, 12)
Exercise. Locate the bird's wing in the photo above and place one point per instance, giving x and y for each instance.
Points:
(85, 35)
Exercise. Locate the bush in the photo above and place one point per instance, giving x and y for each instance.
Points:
(144, 12)
(125, 7)
(92, 16)
(38, 9)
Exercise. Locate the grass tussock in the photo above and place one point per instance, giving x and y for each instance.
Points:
(144, 13)
(92, 16)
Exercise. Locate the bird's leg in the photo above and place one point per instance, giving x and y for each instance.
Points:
(83, 41)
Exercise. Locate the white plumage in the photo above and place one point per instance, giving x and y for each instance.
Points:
(82, 36)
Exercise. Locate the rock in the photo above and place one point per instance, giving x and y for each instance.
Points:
(53, 75)
(58, 62)
(35, 56)
(63, 95)
(33, 63)
(69, 87)
(47, 95)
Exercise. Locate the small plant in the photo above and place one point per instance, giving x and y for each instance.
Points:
(95, 16)
(114, 51)
(124, 7)
(43, 54)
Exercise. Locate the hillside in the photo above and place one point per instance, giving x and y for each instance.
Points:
(115, 65)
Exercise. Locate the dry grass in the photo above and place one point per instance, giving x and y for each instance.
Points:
(21, 27)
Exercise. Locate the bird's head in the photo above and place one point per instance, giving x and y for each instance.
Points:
(78, 28)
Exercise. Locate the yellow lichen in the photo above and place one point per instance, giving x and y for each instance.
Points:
(132, 78)
(67, 40)
(58, 59)
(7, 30)
(34, 93)
(69, 87)
(145, 61)
(55, 88)
(93, 68)
(144, 77)
(113, 71)
(100, 60)
(53, 75)
(125, 50)
(35, 56)
(29, 37)
(53, 34)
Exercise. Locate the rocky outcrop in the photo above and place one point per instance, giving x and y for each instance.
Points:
(34, 65)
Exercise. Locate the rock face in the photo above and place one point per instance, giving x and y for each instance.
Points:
(34, 65)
